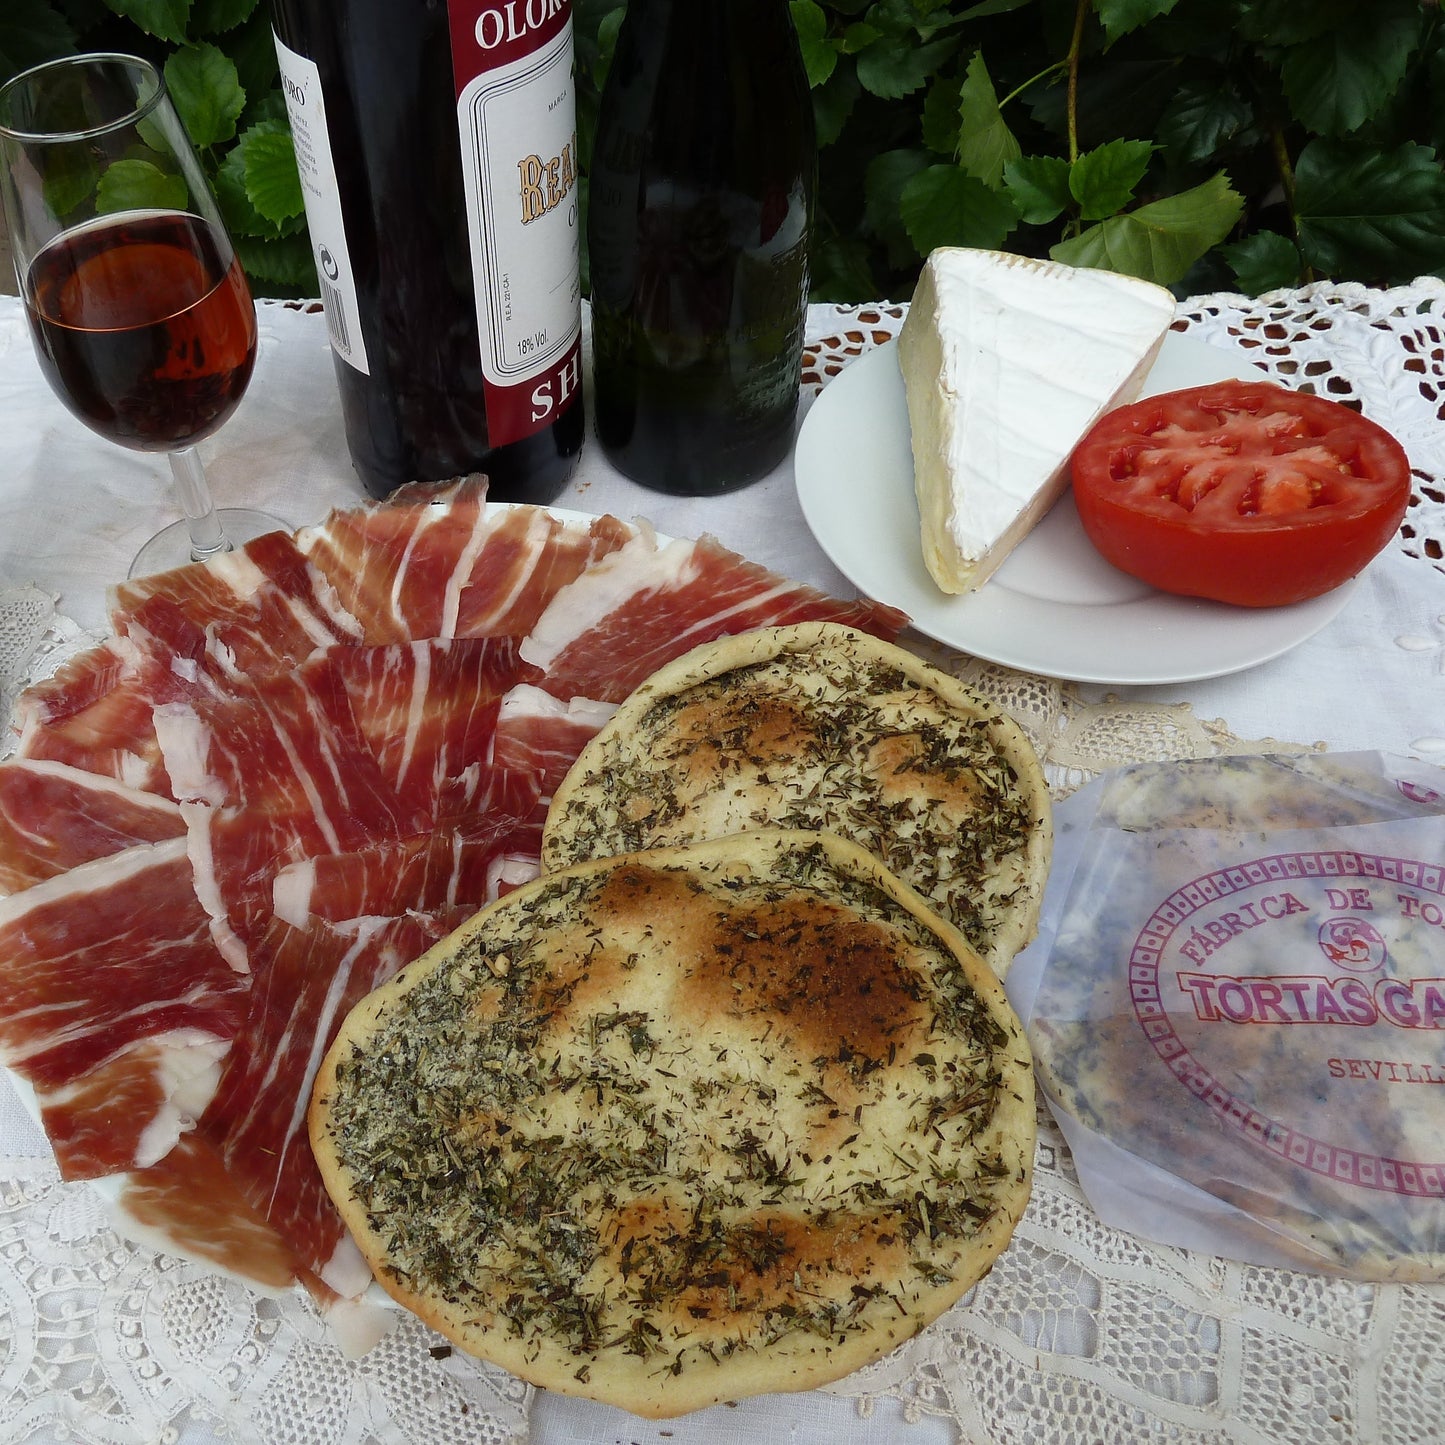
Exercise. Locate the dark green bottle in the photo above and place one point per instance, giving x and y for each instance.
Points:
(700, 205)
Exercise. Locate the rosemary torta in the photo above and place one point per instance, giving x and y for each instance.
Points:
(818, 726)
(686, 1125)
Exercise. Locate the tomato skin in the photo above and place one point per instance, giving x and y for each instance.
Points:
(1240, 491)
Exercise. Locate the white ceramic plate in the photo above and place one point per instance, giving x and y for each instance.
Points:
(1055, 607)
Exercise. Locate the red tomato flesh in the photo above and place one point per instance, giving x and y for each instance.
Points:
(1240, 491)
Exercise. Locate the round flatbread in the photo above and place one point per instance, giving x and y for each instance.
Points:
(818, 726)
(685, 1125)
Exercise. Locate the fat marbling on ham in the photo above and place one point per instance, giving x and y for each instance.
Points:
(647, 603)
(115, 1005)
(289, 771)
(54, 817)
(427, 564)
(536, 730)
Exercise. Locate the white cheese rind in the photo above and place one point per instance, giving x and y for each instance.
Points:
(1007, 361)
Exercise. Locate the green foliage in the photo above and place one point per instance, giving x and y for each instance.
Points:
(220, 68)
(1204, 144)
(139, 185)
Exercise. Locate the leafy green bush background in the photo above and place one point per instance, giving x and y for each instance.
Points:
(1206, 144)
(1201, 143)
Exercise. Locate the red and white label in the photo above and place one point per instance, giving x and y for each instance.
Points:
(516, 111)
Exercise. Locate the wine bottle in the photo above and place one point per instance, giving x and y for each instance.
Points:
(700, 203)
(436, 141)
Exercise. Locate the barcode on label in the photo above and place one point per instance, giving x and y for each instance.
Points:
(334, 305)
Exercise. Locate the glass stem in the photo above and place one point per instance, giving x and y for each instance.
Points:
(208, 538)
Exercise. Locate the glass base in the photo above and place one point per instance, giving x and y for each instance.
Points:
(171, 546)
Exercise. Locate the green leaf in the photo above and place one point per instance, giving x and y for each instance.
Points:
(1338, 81)
(607, 31)
(215, 17)
(859, 37)
(253, 49)
(1378, 215)
(924, 19)
(1288, 22)
(136, 185)
(70, 177)
(985, 143)
(941, 121)
(1162, 240)
(229, 185)
(945, 206)
(285, 261)
(820, 55)
(1119, 17)
(208, 95)
(1038, 186)
(839, 270)
(31, 31)
(991, 7)
(833, 103)
(272, 180)
(1204, 116)
(165, 19)
(895, 66)
(1102, 180)
(883, 185)
(239, 210)
(1263, 262)
(267, 108)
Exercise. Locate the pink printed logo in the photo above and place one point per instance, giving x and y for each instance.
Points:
(1296, 996)
(1417, 792)
(1354, 944)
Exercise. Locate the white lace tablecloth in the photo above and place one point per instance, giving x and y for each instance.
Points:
(1080, 1333)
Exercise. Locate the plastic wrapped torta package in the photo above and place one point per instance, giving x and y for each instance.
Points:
(1237, 1007)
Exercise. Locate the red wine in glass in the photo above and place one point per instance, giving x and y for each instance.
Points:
(142, 319)
(143, 327)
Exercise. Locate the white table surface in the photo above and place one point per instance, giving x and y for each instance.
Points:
(74, 509)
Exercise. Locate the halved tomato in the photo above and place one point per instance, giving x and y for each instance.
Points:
(1240, 491)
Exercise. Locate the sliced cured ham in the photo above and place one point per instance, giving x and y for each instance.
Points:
(112, 958)
(432, 872)
(76, 685)
(531, 555)
(427, 709)
(235, 855)
(95, 714)
(274, 772)
(440, 563)
(536, 730)
(643, 605)
(307, 980)
(264, 604)
(399, 567)
(286, 745)
(188, 1202)
(54, 817)
(130, 1111)
(512, 870)
(166, 634)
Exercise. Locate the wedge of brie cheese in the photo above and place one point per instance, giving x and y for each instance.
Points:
(1007, 362)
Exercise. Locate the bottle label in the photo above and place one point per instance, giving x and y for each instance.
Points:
(516, 111)
(306, 110)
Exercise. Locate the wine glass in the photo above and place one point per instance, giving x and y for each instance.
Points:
(139, 310)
